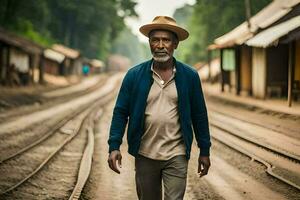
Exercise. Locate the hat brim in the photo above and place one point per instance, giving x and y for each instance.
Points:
(181, 33)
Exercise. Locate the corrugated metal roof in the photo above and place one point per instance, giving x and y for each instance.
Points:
(68, 52)
(54, 55)
(264, 18)
(271, 35)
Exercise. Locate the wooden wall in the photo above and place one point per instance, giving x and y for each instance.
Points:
(246, 71)
(259, 70)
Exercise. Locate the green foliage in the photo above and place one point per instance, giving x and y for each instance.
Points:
(87, 25)
(182, 15)
(127, 44)
(14, 12)
(211, 19)
(26, 29)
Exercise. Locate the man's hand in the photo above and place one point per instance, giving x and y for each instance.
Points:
(113, 157)
(203, 165)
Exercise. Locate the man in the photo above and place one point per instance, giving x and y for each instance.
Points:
(162, 99)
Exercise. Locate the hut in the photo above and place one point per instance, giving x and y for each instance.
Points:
(52, 61)
(19, 58)
(72, 63)
(97, 66)
(258, 57)
(275, 63)
(236, 56)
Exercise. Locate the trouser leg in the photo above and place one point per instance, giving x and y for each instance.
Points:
(148, 179)
(174, 177)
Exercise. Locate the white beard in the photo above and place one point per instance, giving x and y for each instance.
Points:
(161, 58)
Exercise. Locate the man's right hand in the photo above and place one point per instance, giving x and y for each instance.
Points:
(113, 157)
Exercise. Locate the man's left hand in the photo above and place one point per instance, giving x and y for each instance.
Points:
(203, 165)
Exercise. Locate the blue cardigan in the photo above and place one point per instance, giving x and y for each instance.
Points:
(131, 104)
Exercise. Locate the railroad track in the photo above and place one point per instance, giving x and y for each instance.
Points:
(17, 136)
(22, 170)
(44, 132)
(47, 102)
(279, 164)
(41, 168)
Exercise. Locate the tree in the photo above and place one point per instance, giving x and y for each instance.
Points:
(28, 18)
(127, 44)
(87, 25)
(211, 19)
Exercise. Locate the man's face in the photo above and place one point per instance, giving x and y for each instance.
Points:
(162, 45)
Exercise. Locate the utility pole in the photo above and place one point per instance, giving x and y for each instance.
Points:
(248, 13)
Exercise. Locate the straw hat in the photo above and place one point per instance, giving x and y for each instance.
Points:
(165, 23)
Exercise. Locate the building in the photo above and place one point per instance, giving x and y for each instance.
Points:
(19, 58)
(72, 62)
(97, 66)
(210, 71)
(259, 58)
(52, 61)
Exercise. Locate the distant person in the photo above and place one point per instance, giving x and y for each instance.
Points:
(163, 101)
(85, 70)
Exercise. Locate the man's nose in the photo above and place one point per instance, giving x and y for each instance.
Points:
(160, 44)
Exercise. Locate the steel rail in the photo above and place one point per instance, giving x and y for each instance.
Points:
(41, 165)
(47, 133)
(58, 149)
(86, 161)
(247, 121)
(269, 167)
(102, 100)
(278, 151)
(10, 117)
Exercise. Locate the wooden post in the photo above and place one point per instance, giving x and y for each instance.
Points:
(1, 62)
(222, 71)
(208, 64)
(251, 69)
(291, 72)
(41, 69)
(237, 70)
(7, 64)
(31, 69)
(248, 13)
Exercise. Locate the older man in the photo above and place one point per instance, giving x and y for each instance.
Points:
(162, 99)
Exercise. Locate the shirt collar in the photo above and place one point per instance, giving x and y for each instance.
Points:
(152, 69)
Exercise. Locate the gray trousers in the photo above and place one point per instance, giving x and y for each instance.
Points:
(151, 173)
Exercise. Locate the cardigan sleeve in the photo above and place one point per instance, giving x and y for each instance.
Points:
(120, 115)
(199, 117)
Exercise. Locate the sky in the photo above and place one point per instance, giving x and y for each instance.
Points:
(148, 9)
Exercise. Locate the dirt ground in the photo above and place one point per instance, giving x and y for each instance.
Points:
(16, 96)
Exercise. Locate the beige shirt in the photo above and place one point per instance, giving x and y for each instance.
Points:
(162, 138)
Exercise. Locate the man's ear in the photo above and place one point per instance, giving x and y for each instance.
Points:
(176, 44)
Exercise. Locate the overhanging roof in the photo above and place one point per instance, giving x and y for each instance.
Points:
(54, 55)
(236, 36)
(271, 35)
(96, 63)
(68, 52)
(264, 18)
(20, 42)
